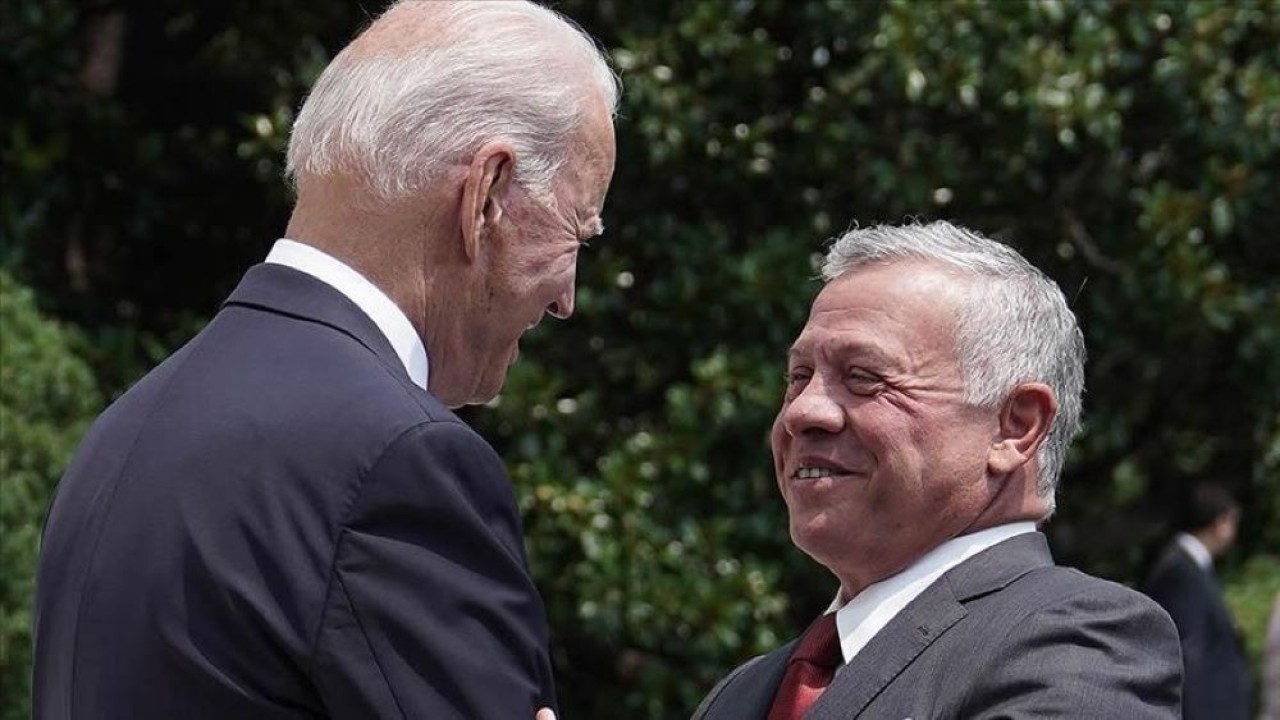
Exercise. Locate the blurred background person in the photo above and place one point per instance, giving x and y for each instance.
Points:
(1271, 666)
(1217, 681)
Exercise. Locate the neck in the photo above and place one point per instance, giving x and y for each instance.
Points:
(397, 245)
(1013, 498)
(1207, 539)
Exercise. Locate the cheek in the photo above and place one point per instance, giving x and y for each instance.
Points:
(778, 443)
(549, 274)
(886, 431)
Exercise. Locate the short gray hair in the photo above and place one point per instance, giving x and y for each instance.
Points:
(398, 116)
(1014, 327)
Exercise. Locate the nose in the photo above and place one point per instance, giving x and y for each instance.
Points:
(813, 410)
(562, 307)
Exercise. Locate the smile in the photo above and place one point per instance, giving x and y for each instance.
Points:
(810, 473)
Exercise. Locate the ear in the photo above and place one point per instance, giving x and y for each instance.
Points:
(1024, 421)
(484, 193)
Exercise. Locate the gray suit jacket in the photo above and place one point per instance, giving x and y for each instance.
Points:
(1005, 634)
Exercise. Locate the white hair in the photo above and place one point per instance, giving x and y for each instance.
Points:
(1014, 327)
(397, 116)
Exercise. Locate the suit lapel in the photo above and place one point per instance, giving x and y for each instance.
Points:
(892, 649)
(926, 619)
(747, 694)
(287, 291)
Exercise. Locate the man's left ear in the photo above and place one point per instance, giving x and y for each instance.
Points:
(1024, 421)
(484, 193)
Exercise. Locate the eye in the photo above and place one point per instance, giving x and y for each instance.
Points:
(796, 379)
(862, 381)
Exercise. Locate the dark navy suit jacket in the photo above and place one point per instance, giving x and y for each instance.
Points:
(277, 523)
(1217, 683)
(1004, 634)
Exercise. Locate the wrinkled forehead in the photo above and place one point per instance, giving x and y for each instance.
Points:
(905, 303)
(590, 156)
(910, 284)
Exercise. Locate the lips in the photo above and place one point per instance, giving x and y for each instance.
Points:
(813, 468)
(813, 473)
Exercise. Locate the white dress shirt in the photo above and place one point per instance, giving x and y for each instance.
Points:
(862, 617)
(384, 313)
(1196, 549)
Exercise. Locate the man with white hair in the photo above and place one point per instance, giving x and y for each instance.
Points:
(285, 519)
(930, 401)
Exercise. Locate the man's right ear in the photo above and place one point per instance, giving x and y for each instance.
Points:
(485, 192)
(1024, 422)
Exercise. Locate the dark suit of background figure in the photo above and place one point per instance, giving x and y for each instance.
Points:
(277, 523)
(1004, 634)
(1217, 684)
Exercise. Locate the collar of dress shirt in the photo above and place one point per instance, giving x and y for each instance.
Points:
(866, 614)
(373, 302)
(1196, 549)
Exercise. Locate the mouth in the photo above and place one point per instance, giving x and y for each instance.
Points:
(817, 471)
(813, 473)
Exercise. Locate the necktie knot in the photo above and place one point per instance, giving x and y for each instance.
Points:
(820, 644)
(812, 665)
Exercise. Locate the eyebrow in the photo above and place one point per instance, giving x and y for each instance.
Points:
(593, 227)
(854, 349)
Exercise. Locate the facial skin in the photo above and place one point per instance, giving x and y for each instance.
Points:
(874, 405)
(1221, 534)
(524, 253)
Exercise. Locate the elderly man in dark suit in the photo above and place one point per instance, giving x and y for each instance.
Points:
(1217, 685)
(285, 519)
(930, 400)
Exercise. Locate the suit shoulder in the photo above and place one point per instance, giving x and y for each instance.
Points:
(708, 703)
(1061, 594)
(1060, 579)
(1058, 583)
(1111, 651)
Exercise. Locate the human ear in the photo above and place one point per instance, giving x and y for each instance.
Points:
(484, 193)
(1024, 421)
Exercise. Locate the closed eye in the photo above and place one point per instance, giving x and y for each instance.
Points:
(796, 379)
(862, 382)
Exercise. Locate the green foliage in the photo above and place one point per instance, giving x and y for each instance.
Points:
(47, 397)
(1251, 592)
(1129, 149)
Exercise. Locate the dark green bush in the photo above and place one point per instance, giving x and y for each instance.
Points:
(47, 397)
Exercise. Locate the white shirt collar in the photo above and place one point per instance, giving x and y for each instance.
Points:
(1196, 549)
(869, 611)
(384, 313)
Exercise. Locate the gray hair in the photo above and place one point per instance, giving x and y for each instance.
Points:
(398, 116)
(1014, 327)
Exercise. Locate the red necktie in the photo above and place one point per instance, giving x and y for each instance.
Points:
(809, 671)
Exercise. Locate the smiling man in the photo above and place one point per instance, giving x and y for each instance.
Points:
(931, 397)
(285, 519)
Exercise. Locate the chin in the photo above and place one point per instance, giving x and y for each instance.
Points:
(812, 535)
(455, 400)
(488, 388)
